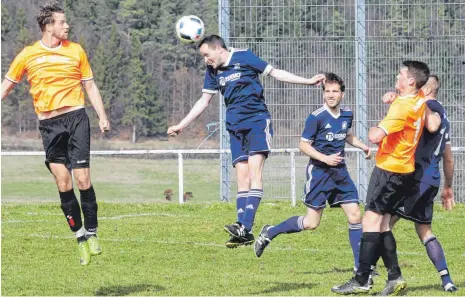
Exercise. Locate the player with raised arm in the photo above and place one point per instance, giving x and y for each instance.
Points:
(55, 69)
(392, 179)
(419, 208)
(235, 73)
(325, 134)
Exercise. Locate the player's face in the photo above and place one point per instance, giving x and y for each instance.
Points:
(212, 56)
(60, 28)
(332, 94)
(403, 79)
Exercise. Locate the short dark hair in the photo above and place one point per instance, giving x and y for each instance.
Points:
(334, 79)
(45, 14)
(419, 71)
(213, 41)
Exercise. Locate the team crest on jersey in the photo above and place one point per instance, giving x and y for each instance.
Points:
(344, 125)
(237, 66)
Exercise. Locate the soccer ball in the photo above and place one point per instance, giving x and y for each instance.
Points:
(190, 29)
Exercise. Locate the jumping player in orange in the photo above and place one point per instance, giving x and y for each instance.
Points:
(56, 68)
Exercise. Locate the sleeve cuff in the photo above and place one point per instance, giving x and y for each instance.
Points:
(305, 139)
(349, 131)
(86, 78)
(267, 70)
(209, 91)
(448, 142)
(382, 128)
(12, 80)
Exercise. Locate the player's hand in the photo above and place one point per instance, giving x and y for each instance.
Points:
(368, 152)
(334, 159)
(389, 97)
(447, 198)
(104, 125)
(317, 80)
(174, 130)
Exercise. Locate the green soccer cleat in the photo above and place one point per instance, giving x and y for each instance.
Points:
(84, 253)
(94, 245)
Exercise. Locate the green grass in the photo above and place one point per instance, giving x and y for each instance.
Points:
(170, 249)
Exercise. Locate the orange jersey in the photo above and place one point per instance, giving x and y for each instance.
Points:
(55, 74)
(403, 125)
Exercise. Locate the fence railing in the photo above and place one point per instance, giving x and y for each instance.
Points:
(282, 184)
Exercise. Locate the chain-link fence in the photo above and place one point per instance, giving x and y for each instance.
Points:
(363, 41)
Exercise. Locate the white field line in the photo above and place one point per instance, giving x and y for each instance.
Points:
(129, 215)
(210, 244)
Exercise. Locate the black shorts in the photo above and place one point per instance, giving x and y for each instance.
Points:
(418, 208)
(66, 139)
(387, 190)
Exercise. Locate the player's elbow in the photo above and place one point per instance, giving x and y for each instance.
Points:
(302, 145)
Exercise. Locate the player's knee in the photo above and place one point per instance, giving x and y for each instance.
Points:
(255, 175)
(63, 183)
(354, 217)
(311, 224)
(424, 231)
(83, 181)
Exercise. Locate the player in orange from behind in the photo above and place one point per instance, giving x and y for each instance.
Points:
(55, 69)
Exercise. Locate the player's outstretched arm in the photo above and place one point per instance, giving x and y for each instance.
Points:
(283, 75)
(96, 100)
(447, 195)
(307, 148)
(355, 142)
(198, 108)
(7, 86)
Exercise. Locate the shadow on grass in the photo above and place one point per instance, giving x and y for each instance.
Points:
(284, 287)
(126, 290)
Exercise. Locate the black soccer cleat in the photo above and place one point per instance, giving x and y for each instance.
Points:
(351, 287)
(394, 287)
(237, 230)
(262, 241)
(450, 287)
(234, 242)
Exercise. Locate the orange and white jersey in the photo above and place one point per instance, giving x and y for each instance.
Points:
(54, 74)
(403, 125)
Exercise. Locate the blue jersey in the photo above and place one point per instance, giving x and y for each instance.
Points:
(327, 131)
(239, 83)
(431, 148)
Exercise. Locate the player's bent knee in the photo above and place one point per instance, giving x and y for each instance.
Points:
(83, 182)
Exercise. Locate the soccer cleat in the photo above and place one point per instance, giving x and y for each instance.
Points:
(450, 287)
(394, 287)
(262, 241)
(236, 230)
(84, 253)
(235, 242)
(94, 245)
(351, 287)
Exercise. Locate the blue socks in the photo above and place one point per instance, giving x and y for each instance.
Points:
(436, 254)
(253, 201)
(241, 200)
(291, 225)
(355, 234)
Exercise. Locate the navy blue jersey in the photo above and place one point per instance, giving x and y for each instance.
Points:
(327, 131)
(431, 148)
(239, 83)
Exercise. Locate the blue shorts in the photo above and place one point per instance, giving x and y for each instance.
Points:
(418, 208)
(250, 139)
(332, 184)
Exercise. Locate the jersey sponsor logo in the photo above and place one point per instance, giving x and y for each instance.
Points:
(338, 136)
(344, 125)
(231, 77)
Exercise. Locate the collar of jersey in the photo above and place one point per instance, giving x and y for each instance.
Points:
(331, 113)
(231, 52)
(50, 48)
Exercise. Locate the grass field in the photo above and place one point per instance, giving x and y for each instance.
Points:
(170, 249)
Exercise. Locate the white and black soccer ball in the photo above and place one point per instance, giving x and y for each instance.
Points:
(190, 28)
